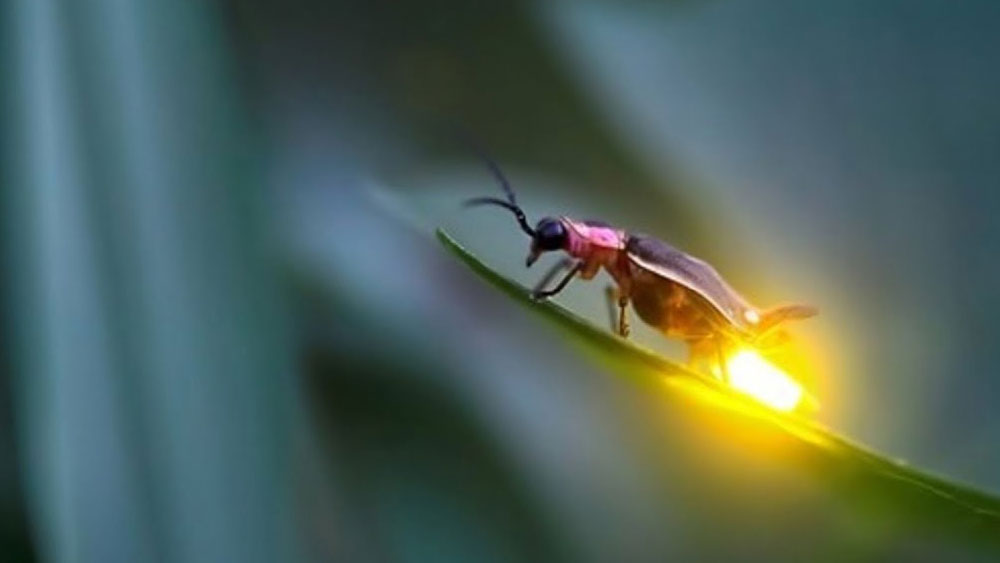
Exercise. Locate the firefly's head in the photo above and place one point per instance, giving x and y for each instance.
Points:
(549, 234)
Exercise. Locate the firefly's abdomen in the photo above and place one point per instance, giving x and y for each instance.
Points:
(671, 308)
(678, 293)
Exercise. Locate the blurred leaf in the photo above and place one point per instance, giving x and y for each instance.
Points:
(876, 488)
(153, 403)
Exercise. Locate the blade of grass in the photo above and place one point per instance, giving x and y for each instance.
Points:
(910, 495)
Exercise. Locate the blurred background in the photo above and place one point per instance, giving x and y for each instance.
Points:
(229, 334)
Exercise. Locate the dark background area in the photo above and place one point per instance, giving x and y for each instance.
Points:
(229, 335)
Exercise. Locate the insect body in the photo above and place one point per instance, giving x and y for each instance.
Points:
(680, 295)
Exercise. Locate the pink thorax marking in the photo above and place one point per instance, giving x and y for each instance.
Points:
(582, 237)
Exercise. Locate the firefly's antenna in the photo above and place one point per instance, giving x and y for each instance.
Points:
(510, 204)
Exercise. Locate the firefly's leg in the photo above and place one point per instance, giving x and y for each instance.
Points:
(622, 320)
(692, 361)
(555, 269)
(616, 312)
(698, 355)
(540, 293)
(720, 355)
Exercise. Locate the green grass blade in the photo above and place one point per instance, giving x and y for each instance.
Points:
(872, 482)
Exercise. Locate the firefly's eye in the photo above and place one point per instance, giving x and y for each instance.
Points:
(550, 234)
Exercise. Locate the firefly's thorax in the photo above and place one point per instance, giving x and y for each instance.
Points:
(584, 238)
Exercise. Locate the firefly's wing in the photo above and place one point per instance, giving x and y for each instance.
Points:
(660, 258)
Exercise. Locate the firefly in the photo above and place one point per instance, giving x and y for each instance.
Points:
(680, 295)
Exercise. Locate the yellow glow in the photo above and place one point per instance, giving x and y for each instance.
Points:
(751, 374)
